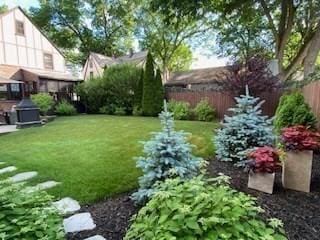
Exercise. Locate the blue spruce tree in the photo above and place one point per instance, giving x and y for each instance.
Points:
(167, 155)
(244, 130)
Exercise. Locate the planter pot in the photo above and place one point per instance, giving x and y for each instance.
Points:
(261, 181)
(296, 172)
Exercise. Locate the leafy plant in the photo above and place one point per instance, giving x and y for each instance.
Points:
(167, 155)
(44, 102)
(201, 209)
(120, 111)
(264, 160)
(25, 215)
(293, 110)
(243, 131)
(203, 111)
(64, 108)
(180, 109)
(300, 138)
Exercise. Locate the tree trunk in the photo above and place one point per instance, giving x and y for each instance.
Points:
(313, 53)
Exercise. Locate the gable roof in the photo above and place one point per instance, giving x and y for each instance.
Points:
(198, 76)
(29, 18)
(103, 60)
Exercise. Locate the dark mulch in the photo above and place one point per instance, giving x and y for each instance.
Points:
(299, 211)
(111, 217)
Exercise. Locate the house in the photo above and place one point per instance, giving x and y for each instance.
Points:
(29, 61)
(96, 63)
(198, 79)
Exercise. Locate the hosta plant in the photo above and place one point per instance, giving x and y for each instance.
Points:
(300, 138)
(167, 155)
(202, 209)
(264, 160)
(25, 215)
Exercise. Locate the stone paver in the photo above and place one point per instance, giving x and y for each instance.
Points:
(78, 222)
(67, 205)
(42, 186)
(96, 237)
(23, 176)
(8, 128)
(7, 169)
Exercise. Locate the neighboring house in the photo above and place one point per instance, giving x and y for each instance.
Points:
(29, 61)
(96, 63)
(198, 79)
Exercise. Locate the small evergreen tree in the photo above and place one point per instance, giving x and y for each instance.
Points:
(159, 92)
(168, 155)
(293, 110)
(244, 130)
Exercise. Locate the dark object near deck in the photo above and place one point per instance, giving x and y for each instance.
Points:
(27, 114)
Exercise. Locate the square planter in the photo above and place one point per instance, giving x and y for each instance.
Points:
(261, 181)
(296, 172)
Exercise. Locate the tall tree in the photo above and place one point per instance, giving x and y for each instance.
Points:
(3, 8)
(290, 27)
(164, 36)
(104, 26)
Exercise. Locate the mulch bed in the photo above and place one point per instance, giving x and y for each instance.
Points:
(299, 211)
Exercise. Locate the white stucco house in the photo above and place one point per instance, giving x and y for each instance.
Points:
(29, 61)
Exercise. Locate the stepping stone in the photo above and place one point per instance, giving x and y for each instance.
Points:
(7, 169)
(96, 237)
(23, 176)
(42, 186)
(67, 205)
(78, 222)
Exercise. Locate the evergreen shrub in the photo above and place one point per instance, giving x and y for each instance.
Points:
(245, 129)
(180, 109)
(167, 155)
(25, 215)
(293, 110)
(202, 209)
(203, 111)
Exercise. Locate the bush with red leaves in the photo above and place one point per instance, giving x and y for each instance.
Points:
(264, 160)
(300, 138)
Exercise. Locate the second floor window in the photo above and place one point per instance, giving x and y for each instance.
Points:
(90, 64)
(19, 28)
(48, 61)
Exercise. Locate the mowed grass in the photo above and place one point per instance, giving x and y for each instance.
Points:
(91, 155)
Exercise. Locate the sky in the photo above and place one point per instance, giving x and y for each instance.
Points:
(199, 60)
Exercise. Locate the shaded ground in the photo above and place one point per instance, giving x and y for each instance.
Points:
(299, 211)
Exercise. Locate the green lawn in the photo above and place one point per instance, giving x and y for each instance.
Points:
(92, 155)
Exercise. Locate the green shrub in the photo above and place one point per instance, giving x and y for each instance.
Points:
(203, 111)
(137, 111)
(116, 88)
(120, 111)
(293, 110)
(44, 101)
(65, 109)
(202, 209)
(27, 215)
(180, 110)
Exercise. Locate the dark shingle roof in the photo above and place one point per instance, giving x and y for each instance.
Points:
(197, 76)
(103, 60)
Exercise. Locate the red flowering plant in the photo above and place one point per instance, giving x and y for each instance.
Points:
(300, 138)
(264, 160)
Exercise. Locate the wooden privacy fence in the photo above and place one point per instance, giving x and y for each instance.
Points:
(220, 100)
(311, 93)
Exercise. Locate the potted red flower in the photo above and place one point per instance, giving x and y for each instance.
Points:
(299, 144)
(263, 163)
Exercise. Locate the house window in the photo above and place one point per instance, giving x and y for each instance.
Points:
(3, 92)
(19, 28)
(48, 61)
(90, 64)
(91, 74)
